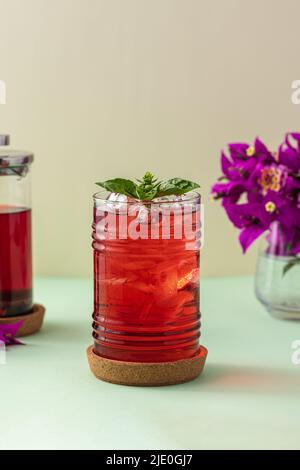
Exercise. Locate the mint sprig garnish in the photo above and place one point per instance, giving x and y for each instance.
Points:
(149, 187)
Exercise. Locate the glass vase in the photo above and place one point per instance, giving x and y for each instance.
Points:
(277, 280)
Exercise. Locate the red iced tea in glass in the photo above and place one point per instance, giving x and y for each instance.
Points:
(15, 261)
(146, 299)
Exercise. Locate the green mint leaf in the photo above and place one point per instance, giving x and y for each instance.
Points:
(176, 187)
(146, 195)
(290, 264)
(121, 186)
(149, 187)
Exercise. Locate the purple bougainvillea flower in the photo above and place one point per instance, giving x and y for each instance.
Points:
(296, 140)
(292, 185)
(296, 136)
(263, 152)
(289, 152)
(226, 165)
(238, 150)
(8, 333)
(296, 248)
(289, 217)
(289, 157)
(238, 169)
(231, 190)
(252, 219)
(249, 234)
(242, 215)
(259, 188)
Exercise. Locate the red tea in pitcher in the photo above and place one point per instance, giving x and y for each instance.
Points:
(15, 231)
(15, 261)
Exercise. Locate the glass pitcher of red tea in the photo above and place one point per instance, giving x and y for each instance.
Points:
(146, 278)
(15, 231)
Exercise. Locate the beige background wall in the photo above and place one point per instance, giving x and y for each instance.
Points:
(104, 88)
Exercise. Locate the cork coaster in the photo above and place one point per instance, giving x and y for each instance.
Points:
(145, 374)
(32, 321)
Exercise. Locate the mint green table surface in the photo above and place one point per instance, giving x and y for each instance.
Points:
(247, 397)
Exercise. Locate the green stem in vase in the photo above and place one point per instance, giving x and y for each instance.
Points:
(290, 264)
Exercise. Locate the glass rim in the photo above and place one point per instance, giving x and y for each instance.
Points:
(194, 196)
(273, 256)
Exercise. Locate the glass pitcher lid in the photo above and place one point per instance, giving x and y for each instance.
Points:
(13, 158)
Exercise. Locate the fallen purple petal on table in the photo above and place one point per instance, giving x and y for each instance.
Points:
(8, 333)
